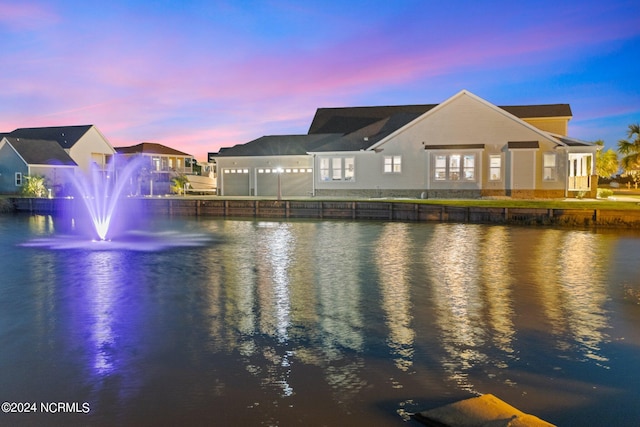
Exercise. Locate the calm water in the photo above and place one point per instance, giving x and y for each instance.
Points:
(318, 323)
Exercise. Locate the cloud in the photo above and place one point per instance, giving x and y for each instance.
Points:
(26, 15)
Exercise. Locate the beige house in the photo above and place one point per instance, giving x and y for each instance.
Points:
(157, 165)
(85, 144)
(463, 147)
(56, 153)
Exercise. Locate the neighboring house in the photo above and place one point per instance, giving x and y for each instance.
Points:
(84, 144)
(157, 164)
(463, 147)
(21, 158)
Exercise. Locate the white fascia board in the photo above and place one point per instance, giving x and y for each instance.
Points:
(54, 166)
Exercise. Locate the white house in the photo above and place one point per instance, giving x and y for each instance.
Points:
(462, 147)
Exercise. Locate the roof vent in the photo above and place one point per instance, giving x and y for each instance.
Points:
(366, 138)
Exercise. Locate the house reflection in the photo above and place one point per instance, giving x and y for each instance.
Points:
(393, 261)
(454, 272)
(573, 290)
(497, 279)
(283, 295)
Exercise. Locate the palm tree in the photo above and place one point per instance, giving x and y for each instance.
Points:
(630, 149)
(607, 163)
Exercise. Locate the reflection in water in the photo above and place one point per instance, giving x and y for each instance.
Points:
(275, 249)
(285, 313)
(570, 278)
(495, 254)
(393, 259)
(451, 257)
(338, 287)
(582, 283)
(100, 305)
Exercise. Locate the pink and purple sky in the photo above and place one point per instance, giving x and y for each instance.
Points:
(200, 75)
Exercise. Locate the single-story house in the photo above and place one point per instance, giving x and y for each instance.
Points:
(462, 147)
(21, 158)
(157, 165)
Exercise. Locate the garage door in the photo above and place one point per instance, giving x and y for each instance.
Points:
(235, 182)
(293, 181)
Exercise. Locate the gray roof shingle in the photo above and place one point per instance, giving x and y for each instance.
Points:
(150, 148)
(350, 119)
(41, 152)
(279, 145)
(66, 136)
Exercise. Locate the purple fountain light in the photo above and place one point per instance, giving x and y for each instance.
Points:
(101, 191)
(102, 194)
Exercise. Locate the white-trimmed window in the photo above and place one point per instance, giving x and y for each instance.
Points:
(18, 179)
(455, 167)
(495, 167)
(549, 165)
(392, 164)
(337, 169)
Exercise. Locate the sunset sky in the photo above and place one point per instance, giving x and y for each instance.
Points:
(200, 75)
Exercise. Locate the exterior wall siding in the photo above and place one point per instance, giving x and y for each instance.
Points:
(92, 142)
(10, 163)
(553, 125)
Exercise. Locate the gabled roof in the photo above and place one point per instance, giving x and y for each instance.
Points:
(66, 136)
(279, 145)
(349, 119)
(365, 137)
(365, 128)
(41, 152)
(150, 148)
(500, 110)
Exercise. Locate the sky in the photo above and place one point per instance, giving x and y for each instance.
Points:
(201, 75)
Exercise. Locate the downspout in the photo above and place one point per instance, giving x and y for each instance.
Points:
(313, 177)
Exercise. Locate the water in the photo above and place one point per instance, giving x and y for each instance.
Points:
(316, 322)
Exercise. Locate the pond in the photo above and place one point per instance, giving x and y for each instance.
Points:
(315, 322)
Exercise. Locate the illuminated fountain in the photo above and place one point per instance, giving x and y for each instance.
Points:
(101, 193)
(108, 226)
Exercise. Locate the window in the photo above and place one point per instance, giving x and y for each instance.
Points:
(455, 167)
(469, 167)
(337, 169)
(18, 179)
(392, 164)
(441, 168)
(495, 167)
(549, 167)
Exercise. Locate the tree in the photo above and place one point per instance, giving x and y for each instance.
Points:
(607, 163)
(630, 149)
(178, 183)
(35, 186)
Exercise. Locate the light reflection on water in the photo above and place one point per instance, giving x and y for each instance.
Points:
(313, 322)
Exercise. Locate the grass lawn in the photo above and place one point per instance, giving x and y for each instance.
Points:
(629, 203)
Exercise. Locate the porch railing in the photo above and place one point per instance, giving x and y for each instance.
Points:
(579, 183)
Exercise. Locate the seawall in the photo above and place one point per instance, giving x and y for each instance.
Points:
(350, 210)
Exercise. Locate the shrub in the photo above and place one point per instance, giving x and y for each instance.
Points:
(604, 193)
(35, 186)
